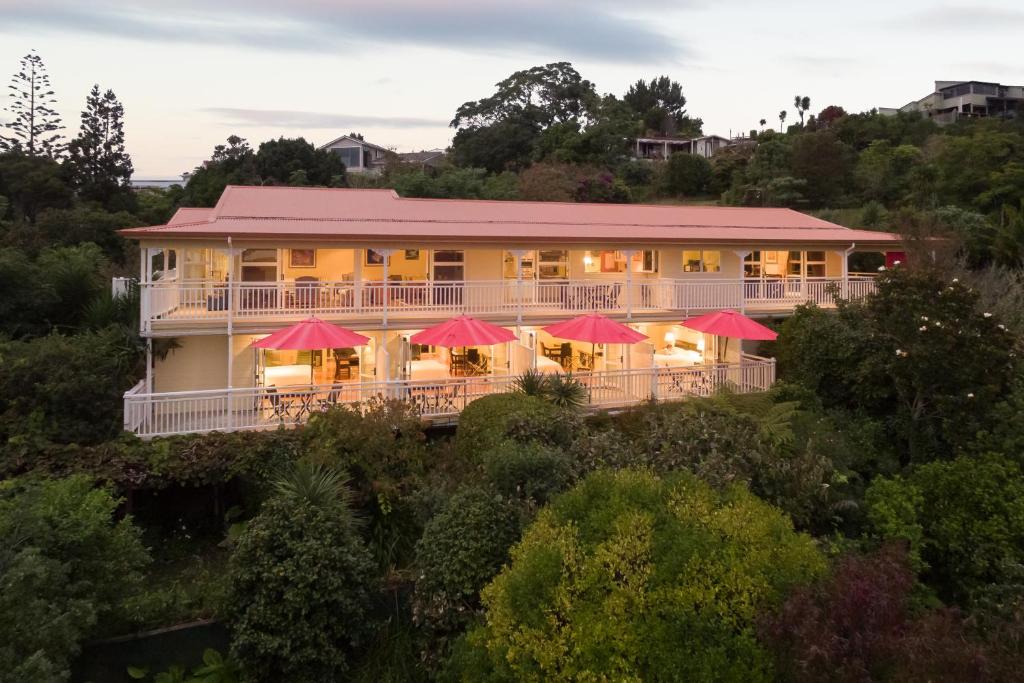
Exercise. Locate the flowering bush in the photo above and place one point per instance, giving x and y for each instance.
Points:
(917, 353)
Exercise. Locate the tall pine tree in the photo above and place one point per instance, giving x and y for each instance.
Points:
(33, 130)
(101, 168)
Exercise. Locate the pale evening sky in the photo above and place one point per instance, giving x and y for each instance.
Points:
(191, 73)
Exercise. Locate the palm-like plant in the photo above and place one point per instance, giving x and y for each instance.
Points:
(532, 382)
(565, 391)
(801, 103)
(318, 485)
(782, 120)
(763, 121)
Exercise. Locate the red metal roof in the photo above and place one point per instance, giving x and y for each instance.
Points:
(381, 215)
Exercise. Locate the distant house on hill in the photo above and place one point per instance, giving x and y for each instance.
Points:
(952, 100)
(429, 158)
(662, 148)
(358, 155)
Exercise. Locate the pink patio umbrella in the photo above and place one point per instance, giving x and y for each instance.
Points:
(596, 329)
(730, 324)
(311, 333)
(463, 330)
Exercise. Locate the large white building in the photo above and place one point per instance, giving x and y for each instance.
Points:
(952, 100)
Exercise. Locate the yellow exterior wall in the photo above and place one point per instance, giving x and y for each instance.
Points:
(201, 362)
(331, 265)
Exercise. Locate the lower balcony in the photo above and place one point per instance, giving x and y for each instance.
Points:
(164, 414)
(185, 301)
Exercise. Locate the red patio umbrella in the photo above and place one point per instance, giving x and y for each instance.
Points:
(730, 324)
(311, 333)
(463, 331)
(596, 329)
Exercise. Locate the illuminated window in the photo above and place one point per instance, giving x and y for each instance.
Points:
(702, 261)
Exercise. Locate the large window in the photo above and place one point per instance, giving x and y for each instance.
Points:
(702, 261)
(349, 156)
(806, 263)
(544, 264)
(449, 265)
(752, 265)
(645, 261)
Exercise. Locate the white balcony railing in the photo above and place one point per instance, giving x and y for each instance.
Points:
(184, 412)
(199, 301)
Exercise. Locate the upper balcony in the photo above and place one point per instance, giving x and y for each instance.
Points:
(180, 304)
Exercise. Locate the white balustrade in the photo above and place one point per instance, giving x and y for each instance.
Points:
(196, 300)
(162, 414)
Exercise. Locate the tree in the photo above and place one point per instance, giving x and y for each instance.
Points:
(32, 184)
(501, 132)
(65, 565)
(888, 356)
(686, 175)
(628, 577)
(101, 168)
(857, 625)
(830, 114)
(461, 550)
(35, 119)
(824, 163)
(660, 105)
(301, 582)
(762, 122)
(278, 162)
(963, 519)
(801, 104)
(782, 120)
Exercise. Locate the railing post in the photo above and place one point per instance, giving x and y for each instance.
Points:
(385, 285)
(742, 256)
(629, 282)
(518, 255)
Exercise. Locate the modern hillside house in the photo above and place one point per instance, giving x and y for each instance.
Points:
(217, 280)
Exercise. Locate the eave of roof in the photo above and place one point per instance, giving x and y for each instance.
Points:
(362, 216)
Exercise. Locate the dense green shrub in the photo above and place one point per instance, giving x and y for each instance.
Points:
(65, 566)
(67, 389)
(889, 356)
(462, 548)
(302, 581)
(531, 471)
(488, 421)
(964, 520)
(718, 444)
(132, 463)
(628, 577)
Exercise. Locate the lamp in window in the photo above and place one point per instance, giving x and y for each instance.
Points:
(700, 344)
(588, 260)
(670, 341)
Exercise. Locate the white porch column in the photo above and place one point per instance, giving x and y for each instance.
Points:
(629, 282)
(742, 255)
(231, 314)
(844, 256)
(145, 290)
(518, 255)
(357, 276)
(385, 287)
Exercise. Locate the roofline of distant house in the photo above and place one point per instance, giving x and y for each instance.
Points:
(349, 137)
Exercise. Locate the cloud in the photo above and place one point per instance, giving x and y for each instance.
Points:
(966, 17)
(573, 28)
(283, 118)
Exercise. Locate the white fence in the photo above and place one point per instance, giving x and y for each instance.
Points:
(199, 300)
(268, 407)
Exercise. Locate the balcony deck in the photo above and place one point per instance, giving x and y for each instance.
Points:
(164, 414)
(172, 305)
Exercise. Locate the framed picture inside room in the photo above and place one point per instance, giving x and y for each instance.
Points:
(302, 258)
(374, 258)
(412, 254)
